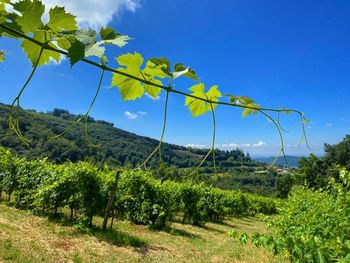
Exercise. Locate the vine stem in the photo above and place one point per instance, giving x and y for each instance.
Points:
(162, 135)
(16, 101)
(86, 115)
(212, 149)
(213, 141)
(281, 141)
(169, 89)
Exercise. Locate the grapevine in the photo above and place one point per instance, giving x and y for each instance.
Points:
(61, 36)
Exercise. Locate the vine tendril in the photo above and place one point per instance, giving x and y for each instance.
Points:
(14, 125)
(212, 148)
(86, 115)
(46, 46)
(159, 146)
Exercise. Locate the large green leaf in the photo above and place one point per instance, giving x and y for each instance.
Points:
(33, 50)
(61, 21)
(31, 14)
(199, 107)
(129, 88)
(76, 51)
(153, 73)
(2, 56)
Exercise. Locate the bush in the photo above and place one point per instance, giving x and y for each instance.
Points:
(143, 200)
(83, 188)
(314, 226)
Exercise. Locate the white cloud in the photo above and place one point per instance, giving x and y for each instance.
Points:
(133, 116)
(259, 144)
(193, 145)
(328, 124)
(95, 13)
(130, 116)
(244, 145)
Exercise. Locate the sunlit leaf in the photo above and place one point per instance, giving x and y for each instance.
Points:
(61, 21)
(33, 50)
(31, 14)
(2, 56)
(197, 106)
(129, 88)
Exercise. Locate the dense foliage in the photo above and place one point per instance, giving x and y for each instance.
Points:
(116, 147)
(316, 172)
(312, 226)
(120, 148)
(84, 190)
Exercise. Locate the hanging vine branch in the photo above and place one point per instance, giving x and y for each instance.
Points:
(14, 124)
(159, 146)
(85, 116)
(61, 36)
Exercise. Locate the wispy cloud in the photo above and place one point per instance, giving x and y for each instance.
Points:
(130, 116)
(244, 145)
(193, 145)
(94, 13)
(133, 116)
(328, 124)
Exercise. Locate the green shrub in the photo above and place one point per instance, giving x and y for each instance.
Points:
(143, 200)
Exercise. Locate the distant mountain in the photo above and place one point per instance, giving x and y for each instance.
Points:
(292, 160)
(115, 146)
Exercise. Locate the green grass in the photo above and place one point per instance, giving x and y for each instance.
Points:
(28, 238)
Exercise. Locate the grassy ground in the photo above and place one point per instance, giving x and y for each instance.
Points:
(28, 238)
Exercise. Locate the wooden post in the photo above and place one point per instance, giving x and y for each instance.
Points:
(110, 201)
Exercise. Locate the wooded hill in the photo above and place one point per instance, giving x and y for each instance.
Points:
(115, 146)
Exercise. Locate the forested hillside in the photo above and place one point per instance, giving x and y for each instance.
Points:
(105, 144)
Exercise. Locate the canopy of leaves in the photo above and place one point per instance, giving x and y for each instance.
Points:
(60, 31)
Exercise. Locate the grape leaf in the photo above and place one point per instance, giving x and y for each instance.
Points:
(61, 21)
(30, 23)
(107, 33)
(32, 50)
(129, 88)
(151, 73)
(88, 45)
(87, 37)
(199, 107)
(2, 56)
(245, 101)
(76, 51)
(31, 13)
(109, 36)
(120, 41)
(94, 50)
(3, 12)
(153, 91)
(161, 62)
(179, 69)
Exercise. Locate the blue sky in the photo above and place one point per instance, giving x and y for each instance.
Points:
(294, 54)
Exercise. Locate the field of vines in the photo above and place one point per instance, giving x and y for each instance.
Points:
(81, 191)
(312, 225)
